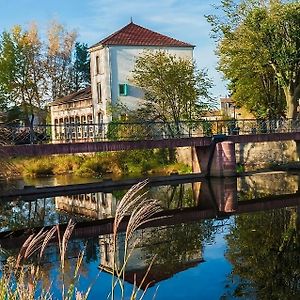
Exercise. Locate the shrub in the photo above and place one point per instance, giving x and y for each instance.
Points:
(66, 164)
(38, 167)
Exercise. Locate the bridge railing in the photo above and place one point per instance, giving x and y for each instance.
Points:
(113, 131)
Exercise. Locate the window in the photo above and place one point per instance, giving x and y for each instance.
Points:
(123, 89)
(100, 118)
(97, 64)
(99, 92)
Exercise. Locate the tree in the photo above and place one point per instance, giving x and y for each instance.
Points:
(81, 67)
(58, 59)
(33, 72)
(22, 77)
(259, 47)
(174, 90)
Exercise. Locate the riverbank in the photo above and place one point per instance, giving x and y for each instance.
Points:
(102, 165)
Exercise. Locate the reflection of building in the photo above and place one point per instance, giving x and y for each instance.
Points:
(111, 63)
(145, 244)
(93, 205)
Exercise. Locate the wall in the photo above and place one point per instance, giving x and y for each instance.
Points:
(259, 155)
(104, 78)
(122, 61)
(253, 155)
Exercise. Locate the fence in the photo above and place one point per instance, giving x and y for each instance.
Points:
(75, 132)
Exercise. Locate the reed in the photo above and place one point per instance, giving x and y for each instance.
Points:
(21, 279)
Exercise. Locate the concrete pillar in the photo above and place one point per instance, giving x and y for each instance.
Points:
(223, 161)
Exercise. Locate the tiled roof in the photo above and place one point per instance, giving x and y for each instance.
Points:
(135, 35)
(85, 94)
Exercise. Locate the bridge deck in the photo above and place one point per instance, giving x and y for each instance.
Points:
(105, 146)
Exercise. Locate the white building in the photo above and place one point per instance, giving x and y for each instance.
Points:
(112, 61)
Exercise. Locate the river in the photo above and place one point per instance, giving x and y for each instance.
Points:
(232, 238)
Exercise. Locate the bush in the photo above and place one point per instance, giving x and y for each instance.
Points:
(66, 164)
(38, 167)
(98, 165)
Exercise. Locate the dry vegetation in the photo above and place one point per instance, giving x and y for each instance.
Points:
(7, 168)
(21, 279)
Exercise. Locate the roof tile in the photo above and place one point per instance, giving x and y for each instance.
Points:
(135, 35)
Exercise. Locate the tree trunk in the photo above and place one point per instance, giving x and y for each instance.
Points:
(172, 155)
(32, 138)
(292, 97)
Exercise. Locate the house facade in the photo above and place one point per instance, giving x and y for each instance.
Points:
(112, 61)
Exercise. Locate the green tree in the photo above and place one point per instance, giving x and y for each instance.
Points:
(174, 89)
(259, 50)
(22, 77)
(81, 67)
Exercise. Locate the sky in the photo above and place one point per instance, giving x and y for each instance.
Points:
(96, 19)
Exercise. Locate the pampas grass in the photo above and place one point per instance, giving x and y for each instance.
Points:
(20, 279)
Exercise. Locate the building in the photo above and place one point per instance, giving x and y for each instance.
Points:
(112, 61)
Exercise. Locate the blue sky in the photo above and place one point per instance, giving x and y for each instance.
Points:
(95, 19)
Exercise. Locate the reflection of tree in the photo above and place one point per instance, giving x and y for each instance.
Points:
(174, 196)
(178, 244)
(169, 196)
(259, 185)
(264, 251)
(38, 213)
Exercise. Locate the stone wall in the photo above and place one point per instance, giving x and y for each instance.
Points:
(184, 155)
(253, 155)
(259, 155)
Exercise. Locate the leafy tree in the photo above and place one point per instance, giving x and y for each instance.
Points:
(174, 89)
(22, 77)
(259, 50)
(60, 45)
(81, 67)
(33, 72)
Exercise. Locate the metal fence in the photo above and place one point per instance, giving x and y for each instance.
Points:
(113, 131)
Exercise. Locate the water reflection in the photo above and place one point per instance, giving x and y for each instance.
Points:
(216, 197)
(175, 248)
(264, 252)
(262, 247)
(93, 205)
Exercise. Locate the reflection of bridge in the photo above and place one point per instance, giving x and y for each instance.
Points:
(221, 203)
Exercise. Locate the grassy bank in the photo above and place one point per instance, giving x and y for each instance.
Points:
(115, 164)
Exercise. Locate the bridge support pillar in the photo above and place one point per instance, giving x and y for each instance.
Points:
(223, 162)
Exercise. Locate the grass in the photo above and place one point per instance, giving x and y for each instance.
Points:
(7, 168)
(122, 163)
(23, 280)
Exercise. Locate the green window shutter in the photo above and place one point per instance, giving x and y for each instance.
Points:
(123, 89)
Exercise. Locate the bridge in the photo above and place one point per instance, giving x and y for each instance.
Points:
(211, 141)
